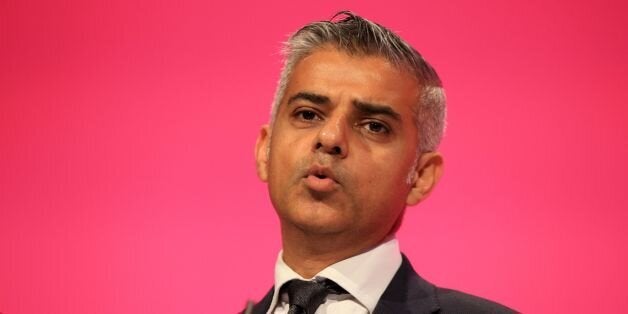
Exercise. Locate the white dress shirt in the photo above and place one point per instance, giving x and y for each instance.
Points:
(364, 277)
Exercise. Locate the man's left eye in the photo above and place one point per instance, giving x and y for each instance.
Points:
(376, 127)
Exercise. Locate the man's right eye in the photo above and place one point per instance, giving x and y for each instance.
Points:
(307, 115)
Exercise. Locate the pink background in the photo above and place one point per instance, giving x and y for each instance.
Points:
(127, 180)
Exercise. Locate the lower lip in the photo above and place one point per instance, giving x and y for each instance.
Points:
(320, 185)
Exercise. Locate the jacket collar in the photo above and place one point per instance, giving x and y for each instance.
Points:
(408, 293)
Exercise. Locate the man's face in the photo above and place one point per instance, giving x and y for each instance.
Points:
(341, 154)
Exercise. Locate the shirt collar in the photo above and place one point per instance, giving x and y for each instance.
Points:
(364, 276)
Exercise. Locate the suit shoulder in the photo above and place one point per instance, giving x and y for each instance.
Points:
(452, 301)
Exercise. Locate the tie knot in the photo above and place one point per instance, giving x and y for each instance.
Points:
(307, 296)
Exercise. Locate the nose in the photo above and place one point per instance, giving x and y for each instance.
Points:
(332, 138)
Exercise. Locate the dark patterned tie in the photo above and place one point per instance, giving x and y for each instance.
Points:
(306, 296)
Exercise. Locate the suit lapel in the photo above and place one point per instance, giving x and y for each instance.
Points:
(262, 306)
(408, 293)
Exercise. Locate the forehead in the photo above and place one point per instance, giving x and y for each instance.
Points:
(339, 75)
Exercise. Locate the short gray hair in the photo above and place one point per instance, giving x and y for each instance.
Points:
(358, 36)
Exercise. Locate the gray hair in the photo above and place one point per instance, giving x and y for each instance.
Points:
(358, 36)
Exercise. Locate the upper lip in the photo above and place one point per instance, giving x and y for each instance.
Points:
(321, 172)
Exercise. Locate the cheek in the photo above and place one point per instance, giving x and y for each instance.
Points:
(387, 179)
(278, 154)
(286, 159)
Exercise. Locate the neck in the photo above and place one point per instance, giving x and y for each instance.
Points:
(308, 254)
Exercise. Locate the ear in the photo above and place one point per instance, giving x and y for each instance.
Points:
(262, 150)
(428, 172)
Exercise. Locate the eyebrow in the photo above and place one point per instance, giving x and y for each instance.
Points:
(362, 106)
(311, 97)
(375, 109)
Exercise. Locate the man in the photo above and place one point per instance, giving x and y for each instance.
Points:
(356, 121)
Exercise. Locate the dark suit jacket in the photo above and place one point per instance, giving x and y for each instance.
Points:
(408, 293)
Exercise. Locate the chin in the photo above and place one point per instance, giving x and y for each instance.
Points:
(322, 229)
(318, 220)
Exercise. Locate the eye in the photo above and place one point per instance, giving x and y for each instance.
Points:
(376, 127)
(307, 115)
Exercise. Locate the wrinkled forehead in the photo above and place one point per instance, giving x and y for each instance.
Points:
(330, 75)
(332, 66)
